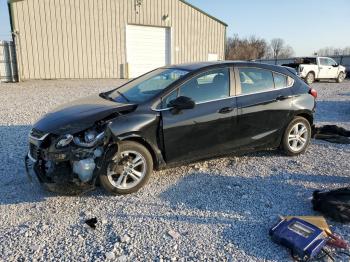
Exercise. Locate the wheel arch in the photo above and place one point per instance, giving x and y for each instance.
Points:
(158, 160)
(308, 116)
(312, 72)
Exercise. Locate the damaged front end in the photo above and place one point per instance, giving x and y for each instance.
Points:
(71, 163)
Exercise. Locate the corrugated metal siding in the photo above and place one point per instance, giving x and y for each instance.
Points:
(86, 38)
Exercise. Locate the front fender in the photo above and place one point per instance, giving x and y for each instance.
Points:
(143, 128)
(145, 125)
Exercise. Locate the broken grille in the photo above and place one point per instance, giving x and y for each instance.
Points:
(34, 151)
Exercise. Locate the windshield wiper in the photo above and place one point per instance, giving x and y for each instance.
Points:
(122, 95)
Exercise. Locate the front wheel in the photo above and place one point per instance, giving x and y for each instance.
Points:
(341, 77)
(129, 169)
(296, 137)
(310, 78)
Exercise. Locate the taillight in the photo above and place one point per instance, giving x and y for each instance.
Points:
(313, 92)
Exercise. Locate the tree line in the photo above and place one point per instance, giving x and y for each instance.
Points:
(331, 51)
(252, 48)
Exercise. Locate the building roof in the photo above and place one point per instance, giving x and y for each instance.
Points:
(203, 12)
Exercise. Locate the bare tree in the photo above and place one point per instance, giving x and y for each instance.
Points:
(245, 48)
(277, 45)
(286, 52)
(253, 48)
(278, 49)
(331, 51)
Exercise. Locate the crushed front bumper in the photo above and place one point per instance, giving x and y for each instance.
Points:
(65, 187)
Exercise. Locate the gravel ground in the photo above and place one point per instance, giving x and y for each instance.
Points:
(214, 210)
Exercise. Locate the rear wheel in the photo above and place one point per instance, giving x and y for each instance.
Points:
(297, 136)
(129, 170)
(341, 77)
(310, 78)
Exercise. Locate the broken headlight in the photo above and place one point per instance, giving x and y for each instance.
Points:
(64, 141)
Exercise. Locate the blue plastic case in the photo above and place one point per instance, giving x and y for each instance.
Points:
(303, 238)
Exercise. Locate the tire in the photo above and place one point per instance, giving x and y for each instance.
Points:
(310, 78)
(340, 77)
(124, 174)
(296, 137)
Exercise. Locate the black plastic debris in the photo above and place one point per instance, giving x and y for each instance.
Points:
(91, 222)
(332, 133)
(334, 204)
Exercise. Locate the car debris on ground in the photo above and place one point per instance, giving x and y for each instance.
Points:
(91, 222)
(334, 204)
(332, 133)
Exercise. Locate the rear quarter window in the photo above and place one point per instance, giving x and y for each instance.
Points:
(282, 81)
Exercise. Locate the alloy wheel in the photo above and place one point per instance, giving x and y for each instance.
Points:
(298, 137)
(128, 170)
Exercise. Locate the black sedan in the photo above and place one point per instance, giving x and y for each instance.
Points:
(171, 116)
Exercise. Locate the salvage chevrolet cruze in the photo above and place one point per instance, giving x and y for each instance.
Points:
(168, 117)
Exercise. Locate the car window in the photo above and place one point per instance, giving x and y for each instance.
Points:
(208, 86)
(324, 61)
(280, 80)
(255, 80)
(331, 62)
(148, 85)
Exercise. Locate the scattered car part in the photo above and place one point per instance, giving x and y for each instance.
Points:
(332, 133)
(334, 204)
(91, 222)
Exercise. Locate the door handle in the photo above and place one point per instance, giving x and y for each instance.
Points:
(280, 98)
(226, 110)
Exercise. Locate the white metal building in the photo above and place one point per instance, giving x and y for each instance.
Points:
(58, 39)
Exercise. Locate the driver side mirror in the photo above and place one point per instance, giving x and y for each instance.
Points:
(335, 65)
(182, 103)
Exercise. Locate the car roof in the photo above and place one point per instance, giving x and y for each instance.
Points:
(203, 65)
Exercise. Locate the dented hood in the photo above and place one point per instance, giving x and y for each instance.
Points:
(79, 115)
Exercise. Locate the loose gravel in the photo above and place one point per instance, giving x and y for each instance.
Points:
(214, 210)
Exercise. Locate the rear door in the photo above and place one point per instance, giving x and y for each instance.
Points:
(205, 130)
(264, 102)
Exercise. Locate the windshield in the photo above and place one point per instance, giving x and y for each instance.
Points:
(147, 86)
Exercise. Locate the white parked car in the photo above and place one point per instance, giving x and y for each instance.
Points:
(316, 68)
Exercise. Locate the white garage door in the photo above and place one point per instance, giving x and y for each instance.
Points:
(147, 48)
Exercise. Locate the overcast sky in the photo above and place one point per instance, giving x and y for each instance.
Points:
(306, 25)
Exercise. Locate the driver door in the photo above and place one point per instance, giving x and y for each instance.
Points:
(207, 129)
(327, 70)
